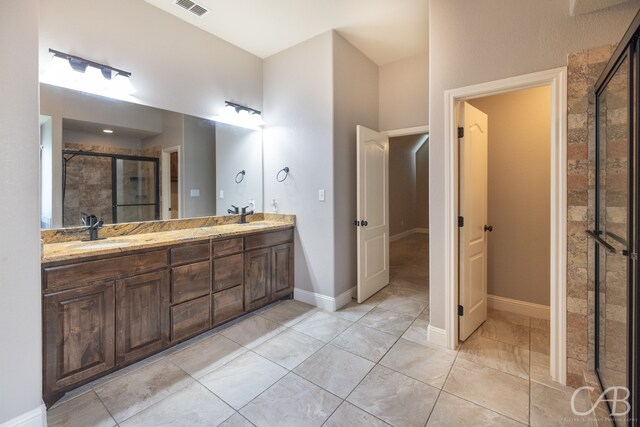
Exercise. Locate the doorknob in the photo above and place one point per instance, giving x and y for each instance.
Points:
(488, 228)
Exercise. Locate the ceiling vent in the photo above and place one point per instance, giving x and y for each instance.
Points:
(192, 7)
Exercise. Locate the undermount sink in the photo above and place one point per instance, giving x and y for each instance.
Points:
(100, 245)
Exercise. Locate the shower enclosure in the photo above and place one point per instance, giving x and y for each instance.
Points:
(114, 187)
(615, 266)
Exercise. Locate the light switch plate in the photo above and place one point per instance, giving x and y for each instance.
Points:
(321, 195)
(222, 194)
(195, 192)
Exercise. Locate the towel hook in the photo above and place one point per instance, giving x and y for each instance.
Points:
(286, 174)
(241, 175)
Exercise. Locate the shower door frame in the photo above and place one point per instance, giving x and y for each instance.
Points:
(628, 48)
(114, 195)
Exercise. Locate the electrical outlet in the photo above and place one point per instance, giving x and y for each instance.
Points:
(222, 194)
(252, 204)
(274, 205)
(321, 195)
(195, 192)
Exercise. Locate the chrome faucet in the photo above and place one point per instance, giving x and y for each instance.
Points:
(93, 224)
(234, 211)
(244, 214)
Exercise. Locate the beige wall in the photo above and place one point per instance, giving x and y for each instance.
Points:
(486, 40)
(355, 102)
(408, 183)
(404, 93)
(422, 186)
(20, 315)
(519, 193)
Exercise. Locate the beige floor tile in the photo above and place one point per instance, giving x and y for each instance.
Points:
(191, 406)
(552, 407)
(451, 411)
(540, 341)
(348, 415)
(419, 293)
(81, 411)
(289, 349)
(403, 305)
(207, 355)
(506, 316)
(418, 332)
(365, 342)
(427, 364)
(354, 311)
(241, 380)
(506, 332)
(387, 321)
(291, 402)
(289, 312)
(253, 331)
(335, 370)
(497, 355)
(394, 398)
(236, 420)
(539, 369)
(425, 315)
(493, 389)
(543, 324)
(136, 391)
(323, 326)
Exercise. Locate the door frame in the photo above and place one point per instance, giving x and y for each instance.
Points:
(557, 79)
(166, 182)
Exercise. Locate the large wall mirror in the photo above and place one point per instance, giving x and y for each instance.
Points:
(126, 162)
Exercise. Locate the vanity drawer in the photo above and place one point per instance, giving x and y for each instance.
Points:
(228, 304)
(190, 318)
(71, 275)
(190, 281)
(226, 247)
(228, 272)
(191, 253)
(268, 239)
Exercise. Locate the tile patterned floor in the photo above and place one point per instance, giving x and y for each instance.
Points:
(369, 364)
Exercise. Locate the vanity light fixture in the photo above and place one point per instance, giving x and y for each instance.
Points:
(77, 73)
(239, 115)
(107, 130)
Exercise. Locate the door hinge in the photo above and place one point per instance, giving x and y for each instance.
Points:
(460, 132)
(460, 221)
(460, 310)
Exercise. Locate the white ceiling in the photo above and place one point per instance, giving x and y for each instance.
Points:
(384, 30)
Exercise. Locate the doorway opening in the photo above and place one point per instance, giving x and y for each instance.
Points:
(171, 185)
(556, 81)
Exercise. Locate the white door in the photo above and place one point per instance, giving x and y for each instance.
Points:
(373, 212)
(473, 210)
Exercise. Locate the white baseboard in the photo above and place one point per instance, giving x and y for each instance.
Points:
(322, 301)
(436, 336)
(408, 233)
(519, 307)
(34, 418)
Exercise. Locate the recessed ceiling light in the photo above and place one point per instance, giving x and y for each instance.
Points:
(107, 130)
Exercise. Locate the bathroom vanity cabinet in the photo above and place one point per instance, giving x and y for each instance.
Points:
(102, 313)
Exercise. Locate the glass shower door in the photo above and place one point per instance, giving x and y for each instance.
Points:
(613, 203)
(135, 186)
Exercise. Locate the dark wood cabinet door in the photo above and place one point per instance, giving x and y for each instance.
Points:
(79, 336)
(227, 304)
(257, 278)
(190, 281)
(282, 270)
(142, 315)
(228, 272)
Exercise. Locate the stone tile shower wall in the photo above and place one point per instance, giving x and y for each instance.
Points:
(583, 70)
(88, 187)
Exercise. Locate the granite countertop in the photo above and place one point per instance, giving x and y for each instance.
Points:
(77, 249)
